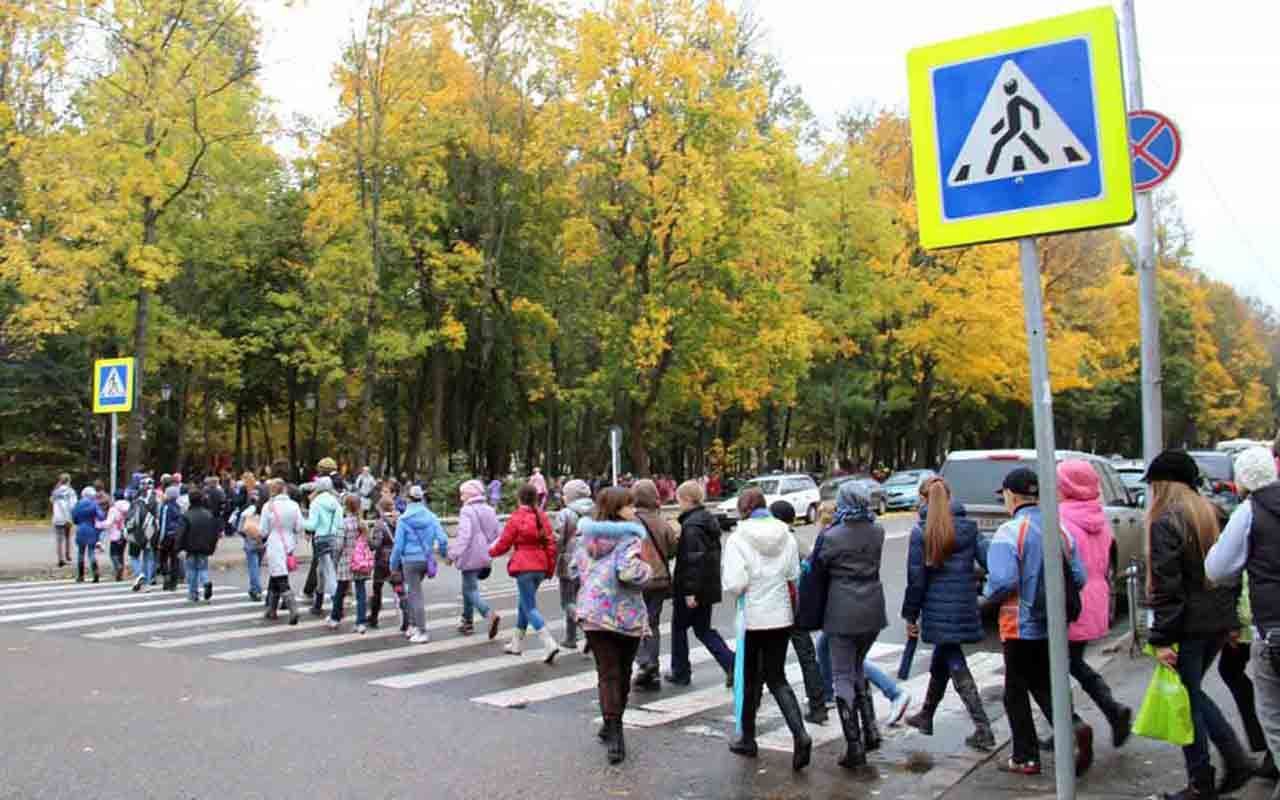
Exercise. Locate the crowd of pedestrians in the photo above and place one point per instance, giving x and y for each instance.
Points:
(619, 561)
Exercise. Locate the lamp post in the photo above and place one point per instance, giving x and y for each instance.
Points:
(166, 392)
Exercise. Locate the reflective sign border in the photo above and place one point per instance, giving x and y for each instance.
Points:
(98, 367)
(1114, 207)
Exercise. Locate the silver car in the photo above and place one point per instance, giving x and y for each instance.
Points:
(976, 475)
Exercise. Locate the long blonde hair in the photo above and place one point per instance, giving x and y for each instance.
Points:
(1174, 497)
(940, 525)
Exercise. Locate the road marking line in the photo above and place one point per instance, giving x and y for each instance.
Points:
(99, 605)
(330, 640)
(461, 670)
(241, 633)
(118, 633)
(570, 684)
(176, 612)
(28, 586)
(391, 654)
(71, 601)
(99, 590)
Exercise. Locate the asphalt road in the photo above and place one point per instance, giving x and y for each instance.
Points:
(116, 694)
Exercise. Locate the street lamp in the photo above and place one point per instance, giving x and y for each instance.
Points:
(166, 392)
(311, 401)
(342, 400)
(220, 411)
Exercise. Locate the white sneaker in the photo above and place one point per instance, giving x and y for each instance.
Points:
(332, 624)
(410, 632)
(898, 709)
(420, 638)
(361, 628)
(549, 645)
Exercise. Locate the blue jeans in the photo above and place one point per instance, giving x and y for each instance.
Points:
(144, 565)
(699, 619)
(874, 675)
(472, 602)
(197, 575)
(87, 552)
(253, 563)
(340, 594)
(527, 584)
(1195, 656)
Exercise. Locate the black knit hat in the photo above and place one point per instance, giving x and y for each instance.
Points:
(1173, 466)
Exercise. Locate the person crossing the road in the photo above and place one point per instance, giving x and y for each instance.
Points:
(611, 609)
(63, 499)
(281, 526)
(346, 562)
(802, 641)
(658, 549)
(761, 559)
(696, 585)
(140, 528)
(478, 529)
(324, 522)
(529, 533)
(419, 537)
(86, 515)
(941, 608)
(578, 504)
(383, 541)
(197, 536)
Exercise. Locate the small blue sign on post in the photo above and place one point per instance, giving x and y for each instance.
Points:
(1157, 148)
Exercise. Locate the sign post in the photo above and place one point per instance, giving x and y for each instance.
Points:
(615, 445)
(113, 391)
(1021, 133)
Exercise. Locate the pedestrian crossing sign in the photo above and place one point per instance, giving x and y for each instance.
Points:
(1021, 132)
(112, 385)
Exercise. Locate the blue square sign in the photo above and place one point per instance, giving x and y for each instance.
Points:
(1017, 130)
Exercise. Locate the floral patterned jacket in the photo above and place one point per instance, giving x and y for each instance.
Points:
(613, 574)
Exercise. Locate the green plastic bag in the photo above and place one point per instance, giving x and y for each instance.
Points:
(1166, 709)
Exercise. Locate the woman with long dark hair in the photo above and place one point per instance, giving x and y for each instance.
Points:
(1192, 617)
(941, 607)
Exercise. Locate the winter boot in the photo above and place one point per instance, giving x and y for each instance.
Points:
(867, 711)
(270, 611)
(647, 679)
(292, 605)
(802, 745)
(79, 573)
(746, 744)
(551, 648)
(1267, 769)
(922, 720)
(208, 592)
(1236, 777)
(614, 741)
(817, 712)
(1200, 787)
(95, 570)
(570, 640)
(855, 756)
(515, 646)
(981, 739)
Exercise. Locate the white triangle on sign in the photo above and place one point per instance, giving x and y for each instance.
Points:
(1016, 133)
(113, 386)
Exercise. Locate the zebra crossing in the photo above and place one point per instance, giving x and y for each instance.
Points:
(231, 629)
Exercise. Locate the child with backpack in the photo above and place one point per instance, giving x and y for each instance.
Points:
(383, 540)
(140, 530)
(354, 564)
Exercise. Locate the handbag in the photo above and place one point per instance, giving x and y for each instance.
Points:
(484, 573)
(810, 599)
(290, 560)
(1166, 709)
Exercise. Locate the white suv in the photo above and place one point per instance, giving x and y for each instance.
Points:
(797, 489)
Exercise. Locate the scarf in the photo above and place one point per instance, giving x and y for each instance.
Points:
(852, 505)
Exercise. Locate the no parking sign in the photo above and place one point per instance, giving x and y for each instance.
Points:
(1156, 146)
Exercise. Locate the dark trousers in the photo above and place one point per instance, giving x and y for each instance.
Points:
(375, 600)
(615, 655)
(802, 643)
(309, 587)
(1231, 666)
(173, 568)
(764, 664)
(652, 644)
(1195, 657)
(1026, 675)
(62, 543)
(1092, 683)
(683, 619)
(116, 550)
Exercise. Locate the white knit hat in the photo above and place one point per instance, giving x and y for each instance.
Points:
(1255, 468)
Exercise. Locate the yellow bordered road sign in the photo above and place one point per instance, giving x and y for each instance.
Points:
(113, 385)
(1021, 132)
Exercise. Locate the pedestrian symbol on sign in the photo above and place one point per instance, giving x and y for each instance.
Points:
(1016, 133)
(112, 386)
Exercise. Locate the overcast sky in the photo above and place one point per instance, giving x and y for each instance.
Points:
(1214, 67)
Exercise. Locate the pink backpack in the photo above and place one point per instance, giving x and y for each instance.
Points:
(362, 557)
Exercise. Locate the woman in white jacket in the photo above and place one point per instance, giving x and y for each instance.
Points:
(761, 561)
(280, 523)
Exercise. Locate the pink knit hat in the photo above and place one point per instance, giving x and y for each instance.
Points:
(1077, 481)
(471, 490)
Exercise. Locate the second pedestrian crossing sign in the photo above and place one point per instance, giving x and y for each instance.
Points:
(113, 385)
(1021, 132)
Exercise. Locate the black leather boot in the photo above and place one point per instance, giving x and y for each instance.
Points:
(617, 745)
(922, 720)
(802, 745)
(855, 756)
(981, 739)
(745, 745)
(867, 713)
(1200, 787)
(270, 611)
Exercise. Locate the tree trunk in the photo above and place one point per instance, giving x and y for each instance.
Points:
(237, 459)
(417, 408)
(439, 386)
(293, 426)
(180, 448)
(638, 428)
(270, 453)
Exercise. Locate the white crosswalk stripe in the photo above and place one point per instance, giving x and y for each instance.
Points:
(38, 586)
(450, 662)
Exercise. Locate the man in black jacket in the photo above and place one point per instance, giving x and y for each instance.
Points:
(198, 535)
(696, 586)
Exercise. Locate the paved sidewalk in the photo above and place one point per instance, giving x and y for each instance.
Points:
(1143, 768)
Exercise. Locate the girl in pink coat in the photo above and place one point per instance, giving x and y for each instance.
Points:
(1080, 509)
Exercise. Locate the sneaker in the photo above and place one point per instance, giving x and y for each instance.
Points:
(419, 638)
(208, 591)
(677, 680)
(409, 632)
(1018, 767)
(361, 629)
(569, 644)
(137, 584)
(494, 622)
(898, 709)
(332, 624)
(373, 623)
(466, 628)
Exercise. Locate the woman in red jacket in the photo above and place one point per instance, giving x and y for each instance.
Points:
(529, 531)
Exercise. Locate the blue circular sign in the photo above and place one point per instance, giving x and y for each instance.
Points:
(1156, 147)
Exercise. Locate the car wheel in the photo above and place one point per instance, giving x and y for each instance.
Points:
(884, 507)
(1117, 592)
(812, 516)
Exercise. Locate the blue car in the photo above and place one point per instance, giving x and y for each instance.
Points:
(903, 488)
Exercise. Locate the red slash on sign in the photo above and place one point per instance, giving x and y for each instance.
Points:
(1156, 147)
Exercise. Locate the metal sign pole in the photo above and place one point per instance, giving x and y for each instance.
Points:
(114, 455)
(615, 445)
(1046, 459)
(1148, 301)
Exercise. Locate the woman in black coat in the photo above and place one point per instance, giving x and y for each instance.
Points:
(941, 605)
(696, 586)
